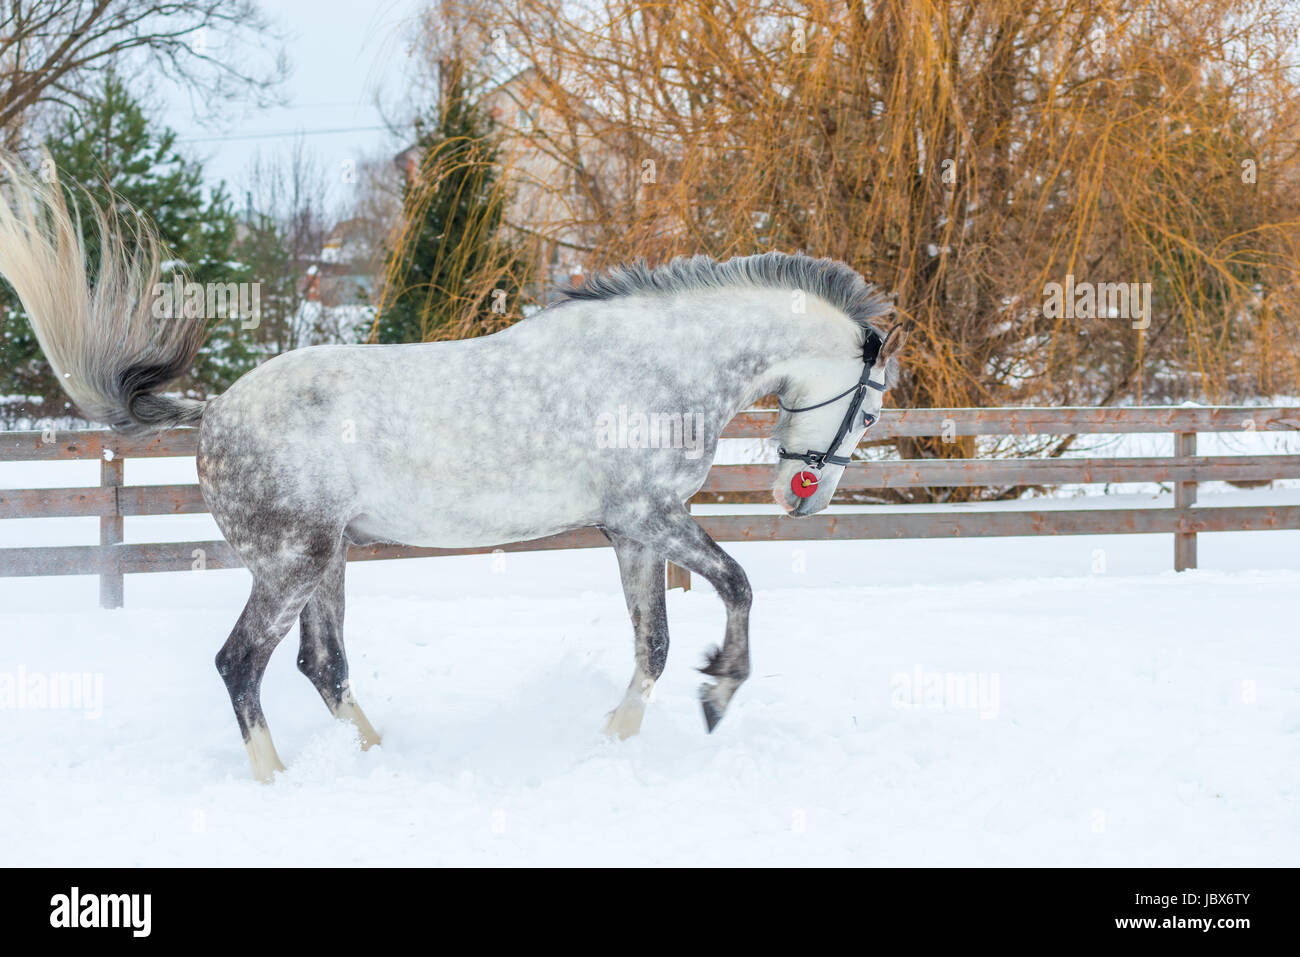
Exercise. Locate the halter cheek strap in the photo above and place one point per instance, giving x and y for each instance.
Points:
(817, 460)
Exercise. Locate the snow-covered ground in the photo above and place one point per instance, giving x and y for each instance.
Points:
(1004, 701)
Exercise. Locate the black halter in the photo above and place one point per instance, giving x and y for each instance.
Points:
(816, 460)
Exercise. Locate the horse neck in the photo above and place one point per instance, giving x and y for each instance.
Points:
(764, 344)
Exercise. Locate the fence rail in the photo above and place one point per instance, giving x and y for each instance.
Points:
(112, 501)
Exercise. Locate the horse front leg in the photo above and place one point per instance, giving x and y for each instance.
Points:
(672, 534)
(642, 571)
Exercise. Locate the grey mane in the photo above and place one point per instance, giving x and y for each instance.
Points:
(828, 279)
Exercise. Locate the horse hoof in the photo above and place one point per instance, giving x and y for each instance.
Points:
(623, 723)
(349, 710)
(712, 713)
(262, 759)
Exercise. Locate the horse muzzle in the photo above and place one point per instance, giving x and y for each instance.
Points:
(799, 507)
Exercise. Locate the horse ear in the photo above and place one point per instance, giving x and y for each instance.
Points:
(894, 340)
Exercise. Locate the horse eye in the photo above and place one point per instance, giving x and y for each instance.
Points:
(868, 420)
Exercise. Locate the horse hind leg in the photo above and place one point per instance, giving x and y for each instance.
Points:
(281, 588)
(321, 656)
(242, 661)
(642, 571)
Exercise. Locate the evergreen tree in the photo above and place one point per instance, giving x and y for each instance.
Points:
(452, 273)
(113, 149)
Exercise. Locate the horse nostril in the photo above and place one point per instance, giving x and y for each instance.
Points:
(781, 495)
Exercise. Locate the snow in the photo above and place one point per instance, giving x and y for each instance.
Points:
(1121, 714)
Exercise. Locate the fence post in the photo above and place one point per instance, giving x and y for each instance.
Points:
(111, 471)
(1184, 498)
(678, 577)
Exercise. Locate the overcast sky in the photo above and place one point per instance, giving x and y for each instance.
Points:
(341, 54)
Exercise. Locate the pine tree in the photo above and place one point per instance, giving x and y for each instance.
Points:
(452, 269)
(113, 150)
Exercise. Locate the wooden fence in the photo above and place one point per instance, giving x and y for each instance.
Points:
(112, 500)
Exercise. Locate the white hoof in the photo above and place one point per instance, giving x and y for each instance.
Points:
(625, 720)
(349, 710)
(261, 755)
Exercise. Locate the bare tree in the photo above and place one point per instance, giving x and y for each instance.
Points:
(284, 228)
(373, 202)
(51, 51)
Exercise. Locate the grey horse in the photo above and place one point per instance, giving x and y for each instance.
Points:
(603, 410)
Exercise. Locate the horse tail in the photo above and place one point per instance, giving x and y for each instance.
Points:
(109, 352)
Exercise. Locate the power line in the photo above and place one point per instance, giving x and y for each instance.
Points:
(265, 136)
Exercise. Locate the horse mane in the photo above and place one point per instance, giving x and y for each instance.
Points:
(828, 279)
